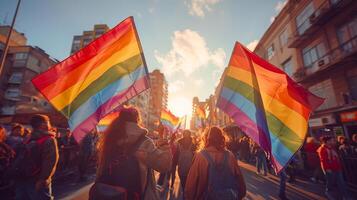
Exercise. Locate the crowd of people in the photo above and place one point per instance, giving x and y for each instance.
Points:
(30, 158)
(132, 165)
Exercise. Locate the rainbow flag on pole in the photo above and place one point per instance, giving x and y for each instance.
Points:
(93, 82)
(169, 120)
(200, 111)
(266, 104)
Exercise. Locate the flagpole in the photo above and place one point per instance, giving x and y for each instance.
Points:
(3, 58)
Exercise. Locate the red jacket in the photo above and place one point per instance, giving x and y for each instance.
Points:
(329, 158)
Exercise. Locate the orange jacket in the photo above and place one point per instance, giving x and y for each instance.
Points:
(197, 178)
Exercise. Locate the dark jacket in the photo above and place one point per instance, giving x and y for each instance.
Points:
(49, 155)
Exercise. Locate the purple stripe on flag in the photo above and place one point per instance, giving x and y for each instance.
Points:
(248, 126)
(87, 125)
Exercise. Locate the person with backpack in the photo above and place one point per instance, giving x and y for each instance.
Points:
(127, 158)
(35, 164)
(185, 154)
(215, 173)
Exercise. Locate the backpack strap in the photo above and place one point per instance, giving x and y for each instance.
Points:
(208, 157)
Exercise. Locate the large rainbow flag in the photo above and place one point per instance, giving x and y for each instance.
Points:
(93, 82)
(169, 120)
(266, 104)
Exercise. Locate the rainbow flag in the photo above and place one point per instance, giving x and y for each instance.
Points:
(266, 104)
(200, 111)
(169, 120)
(93, 82)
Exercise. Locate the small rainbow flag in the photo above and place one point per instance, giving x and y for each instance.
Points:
(200, 111)
(266, 104)
(93, 82)
(169, 120)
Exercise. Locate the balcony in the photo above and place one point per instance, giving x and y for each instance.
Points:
(344, 53)
(320, 16)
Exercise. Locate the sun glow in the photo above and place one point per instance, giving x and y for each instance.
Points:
(180, 106)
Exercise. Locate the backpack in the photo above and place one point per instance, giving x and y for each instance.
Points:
(185, 157)
(27, 163)
(221, 181)
(121, 179)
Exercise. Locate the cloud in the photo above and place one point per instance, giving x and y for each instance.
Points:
(151, 10)
(176, 86)
(189, 53)
(198, 82)
(199, 7)
(251, 46)
(272, 18)
(280, 5)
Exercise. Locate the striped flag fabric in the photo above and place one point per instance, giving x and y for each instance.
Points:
(182, 123)
(169, 120)
(266, 104)
(93, 82)
(200, 111)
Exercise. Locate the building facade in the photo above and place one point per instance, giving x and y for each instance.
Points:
(158, 97)
(315, 42)
(142, 103)
(19, 97)
(80, 41)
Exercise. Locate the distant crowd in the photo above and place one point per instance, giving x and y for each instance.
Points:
(31, 158)
(132, 163)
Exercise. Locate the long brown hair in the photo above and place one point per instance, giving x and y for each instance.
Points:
(115, 132)
(215, 137)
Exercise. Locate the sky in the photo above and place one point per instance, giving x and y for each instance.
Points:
(190, 41)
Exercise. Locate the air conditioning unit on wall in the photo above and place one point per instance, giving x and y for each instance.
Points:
(323, 61)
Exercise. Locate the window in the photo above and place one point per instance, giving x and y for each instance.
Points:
(311, 55)
(325, 90)
(346, 35)
(270, 51)
(86, 41)
(302, 20)
(13, 94)
(284, 38)
(16, 77)
(21, 56)
(288, 67)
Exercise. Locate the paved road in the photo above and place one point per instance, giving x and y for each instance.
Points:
(258, 188)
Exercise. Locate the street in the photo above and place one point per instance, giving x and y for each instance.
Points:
(258, 188)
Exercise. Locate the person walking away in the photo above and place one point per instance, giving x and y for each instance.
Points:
(67, 143)
(38, 162)
(261, 161)
(312, 159)
(282, 185)
(244, 149)
(174, 151)
(186, 153)
(127, 158)
(6, 156)
(16, 137)
(86, 150)
(331, 166)
(214, 173)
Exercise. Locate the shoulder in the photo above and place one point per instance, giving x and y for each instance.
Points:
(146, 143)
